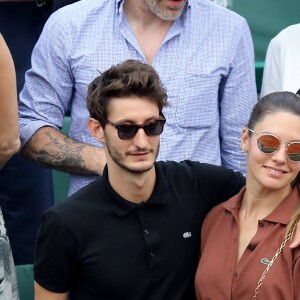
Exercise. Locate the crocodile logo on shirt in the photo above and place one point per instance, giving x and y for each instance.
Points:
(265, 261)
(187, 235)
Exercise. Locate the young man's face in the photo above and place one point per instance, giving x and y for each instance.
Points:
(137, 154)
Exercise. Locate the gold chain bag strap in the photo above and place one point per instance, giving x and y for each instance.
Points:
(273, 259)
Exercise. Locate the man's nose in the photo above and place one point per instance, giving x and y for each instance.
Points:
(141, 138)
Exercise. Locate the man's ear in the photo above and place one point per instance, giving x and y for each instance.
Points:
(96, 130)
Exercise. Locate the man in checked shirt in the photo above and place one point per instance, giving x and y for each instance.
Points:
(202, 52)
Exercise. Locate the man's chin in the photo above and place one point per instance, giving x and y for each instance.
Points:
(135, 169)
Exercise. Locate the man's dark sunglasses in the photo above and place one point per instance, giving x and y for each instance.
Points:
(128, 131)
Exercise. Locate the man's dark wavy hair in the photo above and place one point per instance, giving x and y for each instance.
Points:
(129, 78)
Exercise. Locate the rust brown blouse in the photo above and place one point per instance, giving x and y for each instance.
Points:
(220, 277)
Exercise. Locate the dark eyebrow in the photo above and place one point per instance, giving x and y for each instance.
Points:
(127, 121)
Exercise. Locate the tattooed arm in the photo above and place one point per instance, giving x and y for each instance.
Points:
(50, 148)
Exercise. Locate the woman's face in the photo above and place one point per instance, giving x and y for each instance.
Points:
(272, 171)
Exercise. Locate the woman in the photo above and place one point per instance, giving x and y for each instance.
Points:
(9, 145)
(243, 251)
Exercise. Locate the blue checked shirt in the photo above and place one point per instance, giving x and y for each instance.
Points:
(206, 63)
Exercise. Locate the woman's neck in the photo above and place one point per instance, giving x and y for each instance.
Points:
(258, 203)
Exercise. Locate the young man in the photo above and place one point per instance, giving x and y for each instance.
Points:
(202, 52)
(134, 232)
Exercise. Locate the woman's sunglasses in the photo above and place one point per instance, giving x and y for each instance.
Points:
(270, 143)
(128, 131)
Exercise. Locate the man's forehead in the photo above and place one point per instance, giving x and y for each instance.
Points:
(132, 108)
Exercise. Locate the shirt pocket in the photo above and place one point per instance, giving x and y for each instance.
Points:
(197, 101)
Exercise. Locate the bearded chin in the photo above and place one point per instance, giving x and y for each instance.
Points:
(117, 158)
(170, 14)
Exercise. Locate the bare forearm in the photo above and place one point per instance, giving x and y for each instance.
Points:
(8, 150)
(50, 148)
(9, 127)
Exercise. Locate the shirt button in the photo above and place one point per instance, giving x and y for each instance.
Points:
(251, 247)
(152, 254)
(146, 231)
(261, 223)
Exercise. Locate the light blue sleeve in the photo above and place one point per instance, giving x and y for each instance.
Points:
(48, 87)
(237, 97)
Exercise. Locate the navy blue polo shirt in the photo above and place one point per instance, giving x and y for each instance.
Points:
(98, 245)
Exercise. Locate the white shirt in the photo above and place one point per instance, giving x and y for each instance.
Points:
(282, 64)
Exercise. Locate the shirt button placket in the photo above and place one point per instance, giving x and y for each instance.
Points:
(147, 232)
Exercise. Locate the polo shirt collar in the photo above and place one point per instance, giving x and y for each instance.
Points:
(281, 214)
(123, 207)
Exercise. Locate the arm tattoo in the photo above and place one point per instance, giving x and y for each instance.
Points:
(65, 156)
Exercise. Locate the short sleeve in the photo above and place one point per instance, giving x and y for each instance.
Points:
(55, 255)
